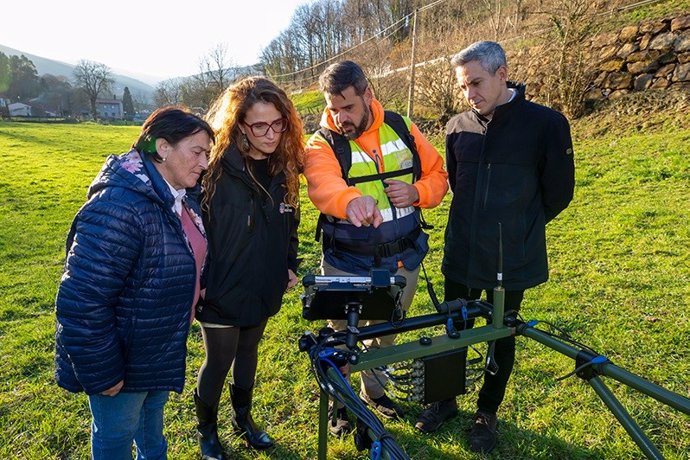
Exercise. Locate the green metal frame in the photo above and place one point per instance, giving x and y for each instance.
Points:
(497, 330)
(404, 352)
(608, 369)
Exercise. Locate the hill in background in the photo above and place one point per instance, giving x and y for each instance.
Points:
(49, 66)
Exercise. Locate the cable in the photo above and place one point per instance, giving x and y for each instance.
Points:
(562, 336)
(340, 390)
(430, 288)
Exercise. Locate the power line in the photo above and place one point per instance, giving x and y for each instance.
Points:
(400, 21)
(311, 79)
(511, 39)
(337, 55)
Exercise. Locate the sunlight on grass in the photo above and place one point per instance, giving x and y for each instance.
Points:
(620, 280)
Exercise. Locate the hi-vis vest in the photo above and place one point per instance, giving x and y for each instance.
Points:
(401, 162)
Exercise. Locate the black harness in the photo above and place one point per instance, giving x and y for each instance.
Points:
(343, 153)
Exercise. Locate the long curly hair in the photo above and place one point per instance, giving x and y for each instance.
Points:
(225, 116)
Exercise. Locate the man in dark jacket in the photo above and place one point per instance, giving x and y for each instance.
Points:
(510, 162)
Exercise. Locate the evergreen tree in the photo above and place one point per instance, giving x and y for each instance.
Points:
(5, 73)
(128, 104)
(24, 83)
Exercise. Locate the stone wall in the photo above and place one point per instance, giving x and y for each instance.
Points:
(650, 55)
(653, 54)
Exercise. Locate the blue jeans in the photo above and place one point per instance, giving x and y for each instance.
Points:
(119, 419)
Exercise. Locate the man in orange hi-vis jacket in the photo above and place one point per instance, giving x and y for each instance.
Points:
(369, 172)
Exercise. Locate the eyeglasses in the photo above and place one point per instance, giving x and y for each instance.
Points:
(261, 128)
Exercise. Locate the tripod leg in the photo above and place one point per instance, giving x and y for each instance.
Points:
(617, 409)
(323, 425)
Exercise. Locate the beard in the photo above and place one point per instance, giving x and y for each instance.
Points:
(356, 130)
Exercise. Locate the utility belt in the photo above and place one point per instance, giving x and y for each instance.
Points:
(378, 251)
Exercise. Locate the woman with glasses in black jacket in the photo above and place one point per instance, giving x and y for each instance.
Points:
(251, 212)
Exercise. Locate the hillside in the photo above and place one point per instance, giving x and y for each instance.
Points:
(50, 66)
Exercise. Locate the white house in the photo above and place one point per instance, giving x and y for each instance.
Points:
(19, 109)
(109, 109)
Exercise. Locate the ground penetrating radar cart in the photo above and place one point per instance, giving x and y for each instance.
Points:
(444, 365)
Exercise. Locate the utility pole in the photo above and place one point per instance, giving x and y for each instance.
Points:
(410, 96)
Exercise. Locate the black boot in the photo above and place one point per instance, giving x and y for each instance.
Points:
(207, 430)
(242, 421)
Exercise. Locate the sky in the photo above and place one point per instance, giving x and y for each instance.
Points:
(144, 38)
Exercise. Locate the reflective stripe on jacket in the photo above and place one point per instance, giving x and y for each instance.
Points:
(331, 193)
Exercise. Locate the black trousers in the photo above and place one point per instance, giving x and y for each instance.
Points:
(494, 387)
(226, 348)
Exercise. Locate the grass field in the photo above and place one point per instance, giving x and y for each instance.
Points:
(620, 282)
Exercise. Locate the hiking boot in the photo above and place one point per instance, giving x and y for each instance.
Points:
(384, 406)
(341, 425)
(483, 434)
(435, 414)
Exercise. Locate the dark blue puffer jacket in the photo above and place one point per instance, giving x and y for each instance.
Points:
(125, 299)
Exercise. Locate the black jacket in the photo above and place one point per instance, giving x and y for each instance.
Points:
(252, 241)
(516, 169)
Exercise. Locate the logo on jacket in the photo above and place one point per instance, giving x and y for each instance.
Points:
(284, 207)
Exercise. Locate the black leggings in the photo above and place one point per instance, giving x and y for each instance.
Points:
(494, 387)
(228, 347)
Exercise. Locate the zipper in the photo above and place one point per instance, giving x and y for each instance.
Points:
(250, 216)
(475, 202)
(379, 170)
(488, 182)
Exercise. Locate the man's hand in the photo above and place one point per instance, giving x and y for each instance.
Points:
(363, 211)
(401, 194)
(292, 279)
(114, 390)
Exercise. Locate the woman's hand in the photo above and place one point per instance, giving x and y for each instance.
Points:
(292, 279)
(114, 390)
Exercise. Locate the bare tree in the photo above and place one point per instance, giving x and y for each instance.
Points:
(93, 78)
(199, 91)
(216, 69)
(437, 92)
(574, 22)
(497, 23)
(168, 92)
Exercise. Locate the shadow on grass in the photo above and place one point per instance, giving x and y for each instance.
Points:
(451, 442)
(236, 448)
(28, 138)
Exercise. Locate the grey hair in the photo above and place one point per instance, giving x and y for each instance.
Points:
(490, 56)
(340, 76)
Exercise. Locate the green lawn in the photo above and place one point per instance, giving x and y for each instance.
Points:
(620, 282)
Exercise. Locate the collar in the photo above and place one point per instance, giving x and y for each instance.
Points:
(517, 91)
(178, 195)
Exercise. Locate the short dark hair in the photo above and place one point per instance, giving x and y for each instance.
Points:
(340, 76)
(172, 123)
(490, 56)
